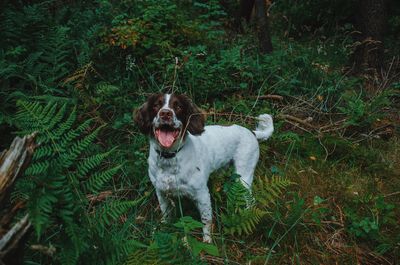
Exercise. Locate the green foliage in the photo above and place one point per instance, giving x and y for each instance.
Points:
(241, 215)
(56, 186)
(368, 220)
(268, 190)
(369, 223)
(363, 112)
(237, 194)
(179, 247)
(243, 221)
(301, 17)
(244, 209)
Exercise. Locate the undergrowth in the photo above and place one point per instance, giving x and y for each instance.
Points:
(325, 188)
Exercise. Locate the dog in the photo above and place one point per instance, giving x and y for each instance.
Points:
(184, 152)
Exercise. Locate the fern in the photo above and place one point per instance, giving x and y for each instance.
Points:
(62, 174)
(110, 212)
(141, 257)
(56, 51)
(89, 163)
(238, 196)
(165, 249)
(244, 211)
(243, 221)
(78, 78)
(173, 248)
(268, 191)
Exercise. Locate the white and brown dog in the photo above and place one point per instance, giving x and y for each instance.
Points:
(184, 152)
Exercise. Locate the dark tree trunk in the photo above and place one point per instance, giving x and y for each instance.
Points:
(246, 7)
(370, 24)
(243, 14)
(264, 36)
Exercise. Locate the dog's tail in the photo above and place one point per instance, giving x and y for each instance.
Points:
(265, 127)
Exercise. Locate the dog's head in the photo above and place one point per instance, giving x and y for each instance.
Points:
(167, 118)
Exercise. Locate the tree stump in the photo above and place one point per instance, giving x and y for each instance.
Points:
(13, 162)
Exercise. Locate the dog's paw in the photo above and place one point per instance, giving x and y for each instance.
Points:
(207, 239)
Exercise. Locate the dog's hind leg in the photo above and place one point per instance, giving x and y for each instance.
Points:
(245, 161)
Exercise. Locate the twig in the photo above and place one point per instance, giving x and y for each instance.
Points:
(295, 119)
(49, 251)
(391, 194)
(270, 96)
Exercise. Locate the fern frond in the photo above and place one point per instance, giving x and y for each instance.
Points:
(75, 234)
(28, 116)
(21, 191)
(111, 211)
(68, 154)
(78, 147)
(91, 163)
(68, 255)
(66, 125)
(37, 168)
(97, 180)
(42, 151)
(238, 196)
(143, 257)
(40, 208)
(243, 221)
(32, 116)
(31, 64)
(79, 77)
(268, 190)
(55, 55)
(167, 249)
(51, 119)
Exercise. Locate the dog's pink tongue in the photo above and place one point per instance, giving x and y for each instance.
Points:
(166, 138)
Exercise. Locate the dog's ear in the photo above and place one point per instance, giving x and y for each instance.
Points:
(143, 116)
(195, 118)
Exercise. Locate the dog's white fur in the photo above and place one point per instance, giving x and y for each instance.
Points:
(187, 173)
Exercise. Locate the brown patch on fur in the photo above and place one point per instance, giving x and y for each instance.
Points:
(191, 116)
(144, 116)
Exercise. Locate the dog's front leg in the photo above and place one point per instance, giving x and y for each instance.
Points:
(203, 203)
(165, 206)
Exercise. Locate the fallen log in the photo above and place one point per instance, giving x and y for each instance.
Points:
(13, 162)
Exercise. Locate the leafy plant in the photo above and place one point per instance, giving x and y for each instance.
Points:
(245, 209)
(268, 190)
(174, 248)
(363, 112)
(64, 173)
(369, 226)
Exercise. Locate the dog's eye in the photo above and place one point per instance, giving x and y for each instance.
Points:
(177, 106)
(157, 105)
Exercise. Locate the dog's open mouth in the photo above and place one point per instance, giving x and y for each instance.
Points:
(167, 135)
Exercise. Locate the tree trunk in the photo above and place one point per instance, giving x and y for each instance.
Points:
(264, 36)
(370, 24)
(13, 162)
(246, 7)
(243, 14)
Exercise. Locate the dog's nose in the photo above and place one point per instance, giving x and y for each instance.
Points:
(165, 114)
